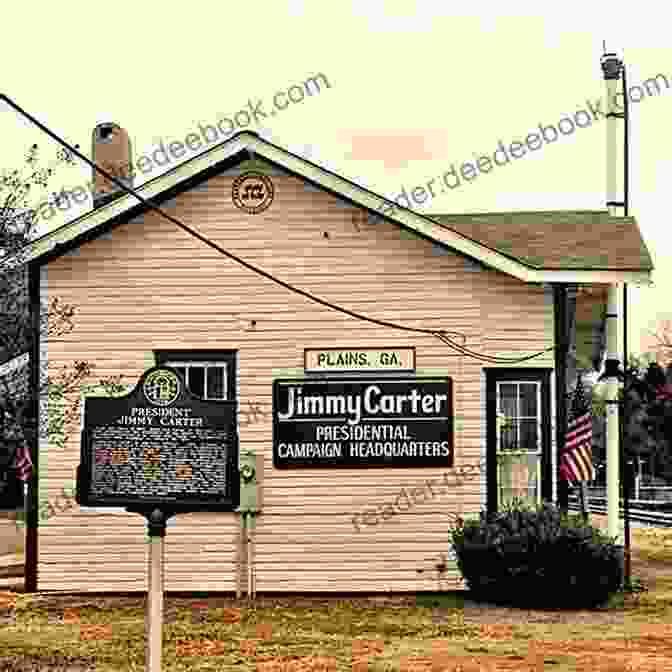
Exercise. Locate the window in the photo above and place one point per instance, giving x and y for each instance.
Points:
(518, 435)
(207, 374)
(204, 379)
(518, 445)
(210, 375)
(518, 416)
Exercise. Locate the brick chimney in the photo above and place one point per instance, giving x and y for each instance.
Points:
(112, 152)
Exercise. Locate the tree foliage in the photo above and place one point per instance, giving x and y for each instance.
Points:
(663, 336)
(647, 413)
(60, 394)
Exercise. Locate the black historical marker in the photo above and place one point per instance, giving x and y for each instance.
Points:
(363, 422)
(159, 445)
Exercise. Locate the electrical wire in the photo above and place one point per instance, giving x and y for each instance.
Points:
(442, 335)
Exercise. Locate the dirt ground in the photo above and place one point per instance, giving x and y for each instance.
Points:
(601, 640)
(650, 573)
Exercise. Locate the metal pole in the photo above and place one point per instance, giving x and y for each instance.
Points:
(612, 70)
(250, 527)
(638, 482)
(154, 612)
(583, 489)
(626, 499)
(626, 149)
(628, 463)
(241, 551)
(156, 529)
(611, 146)
(249, 556)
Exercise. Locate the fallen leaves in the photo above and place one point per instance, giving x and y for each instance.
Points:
(7, 600)
(89, 632)
(496, 631)
(248, 647)
(201, 647)
(367, 647)
(321, 635)
(231, 615)
(362, 649)
(303, 664)
(71, 615)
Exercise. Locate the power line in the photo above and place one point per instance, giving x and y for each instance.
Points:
(442, 335)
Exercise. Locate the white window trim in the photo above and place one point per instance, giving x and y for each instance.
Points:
(519, 417)
(187, 364)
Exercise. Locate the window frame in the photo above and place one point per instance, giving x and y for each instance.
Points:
(518, 417)
(493, 376)
(228, 358)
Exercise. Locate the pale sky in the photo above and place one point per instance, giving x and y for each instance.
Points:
(413, 89)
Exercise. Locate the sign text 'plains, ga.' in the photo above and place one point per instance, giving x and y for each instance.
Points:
(333, 360)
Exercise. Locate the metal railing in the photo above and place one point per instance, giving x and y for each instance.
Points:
(652, 518)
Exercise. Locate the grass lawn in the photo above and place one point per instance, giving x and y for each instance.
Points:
(310, 634)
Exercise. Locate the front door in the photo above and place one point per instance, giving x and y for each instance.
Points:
(518, 436)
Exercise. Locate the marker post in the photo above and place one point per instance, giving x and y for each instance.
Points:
(158, 451)
(156, 528)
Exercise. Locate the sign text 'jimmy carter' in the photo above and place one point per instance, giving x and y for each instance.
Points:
(366, 422)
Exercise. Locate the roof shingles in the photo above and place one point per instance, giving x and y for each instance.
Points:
(558, 239)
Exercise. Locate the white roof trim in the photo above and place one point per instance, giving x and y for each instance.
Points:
(362, 197)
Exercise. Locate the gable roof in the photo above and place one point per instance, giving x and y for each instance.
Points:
(523, 245)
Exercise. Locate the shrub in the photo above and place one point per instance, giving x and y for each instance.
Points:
(537, 557)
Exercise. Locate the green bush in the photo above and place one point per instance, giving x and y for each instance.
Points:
(537, 557)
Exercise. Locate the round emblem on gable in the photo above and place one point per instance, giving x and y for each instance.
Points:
(161, 387)
(252, 192)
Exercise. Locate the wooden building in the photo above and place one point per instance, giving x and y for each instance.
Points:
(148, 292)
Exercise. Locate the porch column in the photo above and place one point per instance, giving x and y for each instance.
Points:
(613, 448)
(561, 349)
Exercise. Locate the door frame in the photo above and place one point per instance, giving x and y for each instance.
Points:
(501, 374)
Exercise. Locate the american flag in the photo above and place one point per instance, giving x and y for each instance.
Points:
(23, 463)
(576, 461)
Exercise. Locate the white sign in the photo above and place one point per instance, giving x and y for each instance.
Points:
(329, 360)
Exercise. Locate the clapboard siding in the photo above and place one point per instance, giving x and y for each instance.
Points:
(149, 285)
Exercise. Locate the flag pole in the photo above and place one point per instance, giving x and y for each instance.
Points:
(583, 487)
(583, 495)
